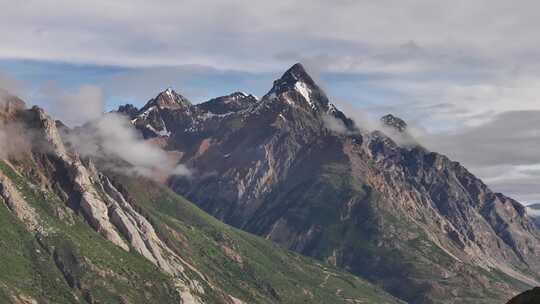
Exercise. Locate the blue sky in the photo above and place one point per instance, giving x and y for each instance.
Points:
(455, 71)
(197, 83)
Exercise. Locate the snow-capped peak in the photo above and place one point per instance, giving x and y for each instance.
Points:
(298, 80)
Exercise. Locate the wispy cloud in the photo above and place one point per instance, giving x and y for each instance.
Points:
(108, 137)
(76, 107)
(112, 138)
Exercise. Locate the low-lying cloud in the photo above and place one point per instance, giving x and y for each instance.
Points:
(366, 123)
(112, 138)
(335, 125)
(76, 107)
(15, 140)
(501, 150)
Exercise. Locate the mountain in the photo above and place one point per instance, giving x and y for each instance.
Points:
(294, 169)
(72, 231)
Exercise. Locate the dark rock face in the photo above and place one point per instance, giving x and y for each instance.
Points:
(128, 110)
(394, 122)
(529, 297)
(415, 222)
(231, 103)
(166, 106)
(70, 229)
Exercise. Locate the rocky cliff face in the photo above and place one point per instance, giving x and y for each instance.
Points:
(72, 233)
(294, 169)
(89, 193)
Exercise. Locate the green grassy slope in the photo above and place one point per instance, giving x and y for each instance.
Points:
(71, 263)
(245, 266)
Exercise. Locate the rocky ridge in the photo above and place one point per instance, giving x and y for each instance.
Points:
(61, 206)
(101, 204)
(361, 200)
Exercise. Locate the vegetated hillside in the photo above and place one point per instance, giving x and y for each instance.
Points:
(292, 168)
(69, 233)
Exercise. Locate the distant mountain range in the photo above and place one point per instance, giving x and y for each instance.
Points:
(323, 210)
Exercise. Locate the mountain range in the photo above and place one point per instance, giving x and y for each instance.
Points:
(284, 199)
(294, 169)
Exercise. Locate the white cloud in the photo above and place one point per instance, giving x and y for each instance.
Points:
(503, 151)
(224, 34)
(112, 138)
(10, 86)
(335, 125)
(74, 108)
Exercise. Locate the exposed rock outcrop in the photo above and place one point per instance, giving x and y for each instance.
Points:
(392, 121)
(90, 193)
(82, 234)
(16, 202)
(374, 203)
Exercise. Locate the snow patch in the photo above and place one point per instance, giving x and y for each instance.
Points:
(332, 108)
(302, 88)
(145, 114)
(162, 133)
(169, 93)
(209, 115)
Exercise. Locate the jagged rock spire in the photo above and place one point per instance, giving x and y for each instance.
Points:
(168, 99)
(394, 122)
(295, 73)
(229, 103)
(296, 79)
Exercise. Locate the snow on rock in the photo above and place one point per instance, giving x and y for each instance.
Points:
(169, 93)
(332, 108)
(144, 115)
(302, 88)
(162, 133)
